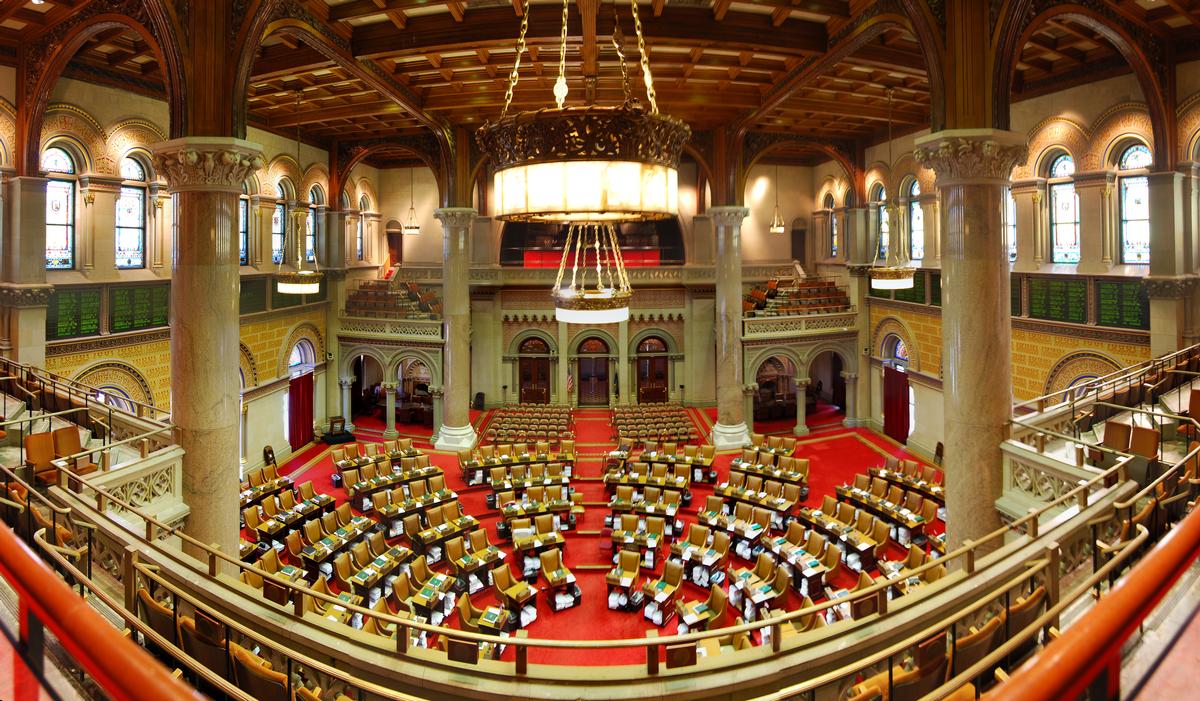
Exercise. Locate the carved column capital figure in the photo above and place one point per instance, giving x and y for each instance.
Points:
(456, 217)
(971, 156)
(205, 163)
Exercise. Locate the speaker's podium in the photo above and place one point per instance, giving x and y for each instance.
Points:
(337, 432)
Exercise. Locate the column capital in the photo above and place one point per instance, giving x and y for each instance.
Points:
(850, 376)
(1168, 287)
(802, 382)
(726, 215)
(207, 163)
(456, 217)
(25, 295)
(345, 382)
(388, 386)
(971, 156)
(857, 269)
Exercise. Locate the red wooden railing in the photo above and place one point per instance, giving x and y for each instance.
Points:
(1087, 657)
(121, 668)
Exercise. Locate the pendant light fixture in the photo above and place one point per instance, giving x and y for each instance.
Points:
(590, 167)
(895, 273)
(777, 225)
(411, 227)
(302, 281)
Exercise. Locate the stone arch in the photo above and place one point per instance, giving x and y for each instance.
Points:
(1189, 128)
(123, 376)
(316, 175)
(8, 131)
(392, 368)
(583, 334)
(636, 339)
(302, 330)
(759, 146)
(761, 356)
(280, 167)
(906, 168)
(247, 365)
(1076, 364)
(830, 185)
(878, 173)
(847, 354)
(1049, 136)
(129, 134)
(73, 125)
(364, 188)
(889, 326)
(1117, 127)
(514, 348)
(348, 357)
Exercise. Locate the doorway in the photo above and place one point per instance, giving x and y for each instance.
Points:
(652, 371)
(533, 371)
(593, 372)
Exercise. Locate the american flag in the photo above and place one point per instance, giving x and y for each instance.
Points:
(570, 382)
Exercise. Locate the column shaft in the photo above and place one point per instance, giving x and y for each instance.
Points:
(389, 430)
(456, 431)
(347, 403)
(801, 428)
(730, 429)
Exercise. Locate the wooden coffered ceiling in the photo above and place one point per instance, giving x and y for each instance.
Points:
(714, 62)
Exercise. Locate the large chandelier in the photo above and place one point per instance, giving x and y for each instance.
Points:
(895, 273)
(301, 281)
(411, 227)
(591, 167)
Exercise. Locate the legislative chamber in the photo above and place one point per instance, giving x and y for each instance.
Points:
(768, 350)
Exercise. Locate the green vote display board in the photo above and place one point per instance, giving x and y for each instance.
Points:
(253, 296)
(935, 289)
(916, 293)
(140, 307)
(1014, 294)
(1055, 299)
(73, 311)
(1122, 303)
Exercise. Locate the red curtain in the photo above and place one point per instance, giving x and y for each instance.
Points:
(895, 403)
(300, 410)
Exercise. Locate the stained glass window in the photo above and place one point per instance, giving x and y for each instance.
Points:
(916, 223)
(833, 232)
(278, 225)
(1010, 224)
(60, 210)
(310, 232)
(1064, 212)
(899, 350)
(244, 228)
(884, 225)
(1135, 206)
(362, 218)
(131, 216)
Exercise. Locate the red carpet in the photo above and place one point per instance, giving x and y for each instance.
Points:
(835, 458)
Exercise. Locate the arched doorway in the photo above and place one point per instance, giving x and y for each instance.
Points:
(366, 392)
(593, 372)
(899, 400)
(776, 397)
(414, 403)
(533, 371)
(826, 387)
(653, 363)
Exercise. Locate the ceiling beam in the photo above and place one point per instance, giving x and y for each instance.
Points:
(308, 115)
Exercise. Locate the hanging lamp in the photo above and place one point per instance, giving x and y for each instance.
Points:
(895, 273)
(411, 227)
(301, 281)
(777, 225)
(591, 167)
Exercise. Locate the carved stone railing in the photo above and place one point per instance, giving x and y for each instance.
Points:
(417, 330)
(787, 327)
(153, 484)
(498, 276)
(1033, 479)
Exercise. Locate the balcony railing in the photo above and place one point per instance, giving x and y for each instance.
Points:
(787, 327)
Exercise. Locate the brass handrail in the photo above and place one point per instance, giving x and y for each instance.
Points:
(1114, 378)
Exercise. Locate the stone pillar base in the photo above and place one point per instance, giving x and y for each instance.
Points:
(455, 438)
(391, 433)
(800, 431)
(855, 423)
(725, 436)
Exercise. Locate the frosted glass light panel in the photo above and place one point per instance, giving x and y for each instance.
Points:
(1135, 207)
(916, 223)
(131, 228)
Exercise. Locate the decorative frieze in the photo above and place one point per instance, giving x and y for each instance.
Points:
(23, 296)
(209, 164)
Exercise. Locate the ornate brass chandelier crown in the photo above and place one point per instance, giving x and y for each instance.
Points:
(591, 167)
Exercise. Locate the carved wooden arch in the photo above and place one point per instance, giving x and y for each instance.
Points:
(1051, 135)
(1189, 128)
(83, 134)
(1146, 54)
(1119, 126)
(423, 147)
(247, 365)
(758, 145)
(893, 326)
(118, 374)
(1075, 364)
(47, 54)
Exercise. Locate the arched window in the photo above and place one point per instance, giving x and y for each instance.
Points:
(833, 231)
(652, 344)
(1064, 211)
(1135, 204)
(897, 350)
(310, 231)
(302, 354)
(244, 226)
(60, 208)
(534, 346)
(879, 195)
(279, 223)
(131, 215)
(593, 345)
(1010, 224)
(916, 222)
(363, 204)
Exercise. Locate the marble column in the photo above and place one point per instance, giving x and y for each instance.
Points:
(335, 286)
(973, 168)
(748, 394)
(437, 396)
(623, 367)
(347, 404)
(851, 419)
(860, 393)
(456, 431)
(801, 428)
(205, 175)
(563, 368)
(730, 430)
(24, 293)
(389, 391)
(1165, 285)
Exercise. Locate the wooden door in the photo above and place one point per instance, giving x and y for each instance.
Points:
(535, 380)
(652, 380)
(895, 403)
(839, 383)
(593, 381)
(395, 241)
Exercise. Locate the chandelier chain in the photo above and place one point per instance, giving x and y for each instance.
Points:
(560, 87)
(646, 76)
(618, 42)
(515, 75)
